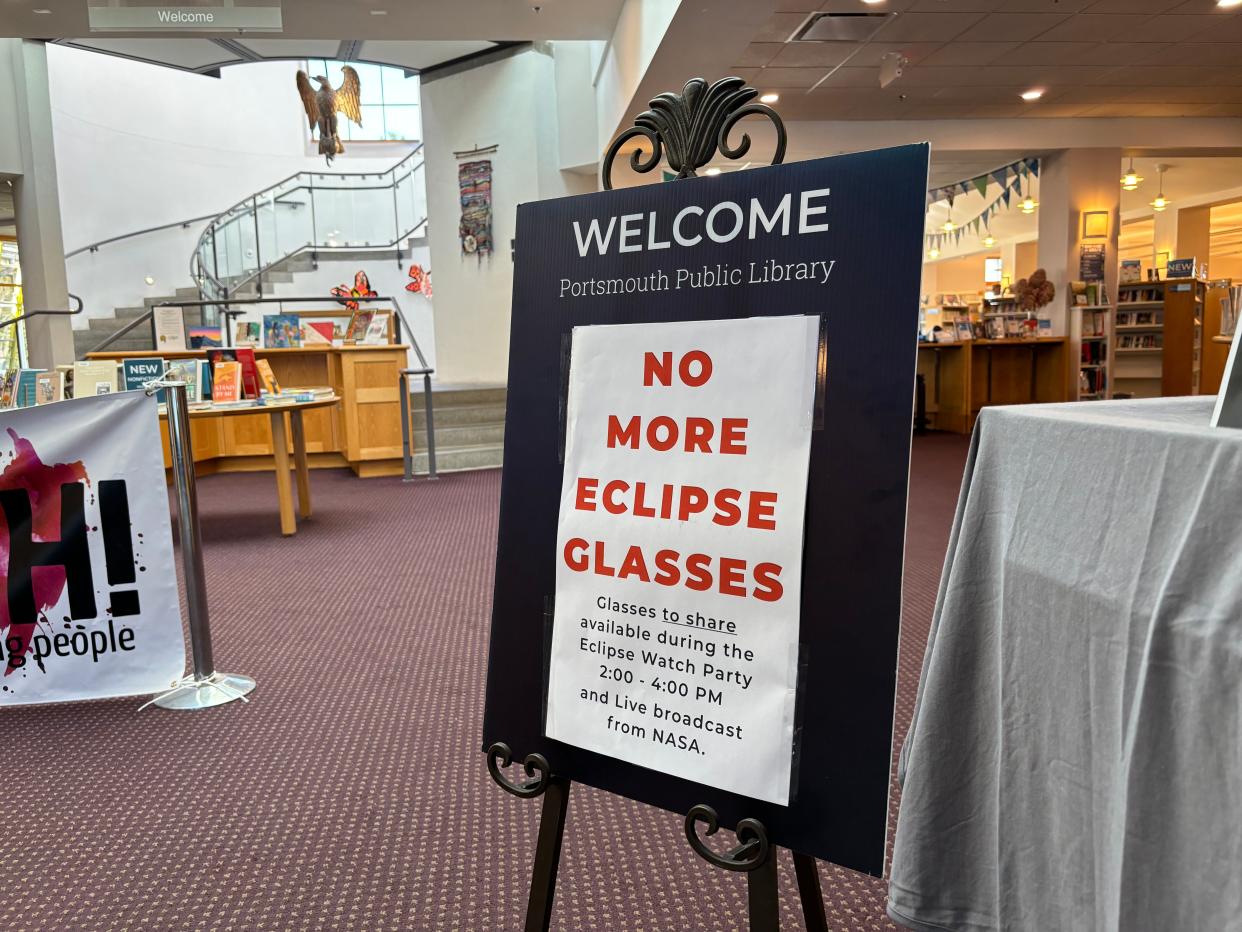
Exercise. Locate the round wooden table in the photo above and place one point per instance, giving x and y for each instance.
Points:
(280, 452)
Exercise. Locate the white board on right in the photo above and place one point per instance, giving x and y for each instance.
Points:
(1228, 410)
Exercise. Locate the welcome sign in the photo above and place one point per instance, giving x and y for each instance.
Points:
(698, 575)
(90, 607)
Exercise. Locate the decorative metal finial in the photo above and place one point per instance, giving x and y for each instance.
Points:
(536, 766)
(750, 854)
(689, 127)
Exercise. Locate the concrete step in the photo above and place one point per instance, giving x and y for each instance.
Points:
(484, 456)
(453, 415)
(86, 340)
(449, 397)
(468, 435)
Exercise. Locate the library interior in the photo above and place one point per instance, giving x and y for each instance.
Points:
(305, 305)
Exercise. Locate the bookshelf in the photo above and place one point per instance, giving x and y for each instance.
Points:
(1158, 338)
(1218, 323)
(1094, 325)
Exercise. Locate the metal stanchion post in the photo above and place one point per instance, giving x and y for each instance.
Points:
(205, 687)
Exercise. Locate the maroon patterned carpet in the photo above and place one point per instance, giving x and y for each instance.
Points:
(351, 794)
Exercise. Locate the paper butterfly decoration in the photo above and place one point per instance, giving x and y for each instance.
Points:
(420, 281)
(361, 289)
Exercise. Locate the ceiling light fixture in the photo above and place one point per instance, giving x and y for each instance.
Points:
(378, 12)
(933, 253)
(42, 12)
(1132, 179)
(1029, 204)
(1033, 94)
(1161, 202)
(1226, 4)
(878, 2)
(712, 172)
(949, 226)
(769, 98)
(989, 240)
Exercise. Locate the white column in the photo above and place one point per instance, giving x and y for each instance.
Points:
(1071, 182)
(37, 202)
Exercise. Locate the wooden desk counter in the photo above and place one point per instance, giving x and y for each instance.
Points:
(964, 377)
(363, 432)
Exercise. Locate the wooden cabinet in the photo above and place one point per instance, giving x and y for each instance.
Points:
(363, 432)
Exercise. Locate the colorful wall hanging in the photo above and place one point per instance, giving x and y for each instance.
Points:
(475, 229)
(349, 296)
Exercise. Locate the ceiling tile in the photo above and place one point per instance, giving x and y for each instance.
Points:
(956, 6)
(1012, 27)
(812, 54)
(185, 53)
(292, 48)
(749, 75)
(1131, 53)
(1134, 6)
(1138, 76)
(928, 27)
(1051, 53)
(779, 27)
(854, 77)
(791, 77)
(1059, 109)
(966, 54)
(1095, 27)
(1170, 28)
(758, 54)
(1189, 53)
(1217, 29)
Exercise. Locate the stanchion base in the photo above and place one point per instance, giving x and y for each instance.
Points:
(216, 689)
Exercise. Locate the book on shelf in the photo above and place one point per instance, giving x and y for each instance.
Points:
(8, 387)
(26, 390)
(267, 378)
(358, 324)
(94, 377)
(377, 331)
(281, 331)
(226, 382)
(317, 333)
(248, 333)
(189, 371)
(204, 336)
(50, 387)
(1131, 271)
(243, 355)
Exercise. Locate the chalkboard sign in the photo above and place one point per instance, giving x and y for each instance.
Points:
(702, 523)
(1091, 262)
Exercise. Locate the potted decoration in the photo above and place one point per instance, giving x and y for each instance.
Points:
(1032, 294)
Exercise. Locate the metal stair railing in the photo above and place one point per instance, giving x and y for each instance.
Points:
(221, 262)
(46, 312)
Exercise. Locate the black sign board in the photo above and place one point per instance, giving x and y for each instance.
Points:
(859, 218)
(1091, 262)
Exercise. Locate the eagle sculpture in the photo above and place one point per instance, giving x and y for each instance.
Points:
(322, 106)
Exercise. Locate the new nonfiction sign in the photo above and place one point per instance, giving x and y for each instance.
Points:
(698, 577)
(90, 607)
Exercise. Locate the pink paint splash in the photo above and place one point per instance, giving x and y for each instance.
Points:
(42, 483)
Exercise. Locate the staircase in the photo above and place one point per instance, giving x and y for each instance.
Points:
(470, 428)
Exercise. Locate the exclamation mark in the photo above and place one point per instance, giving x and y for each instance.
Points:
(118, 545)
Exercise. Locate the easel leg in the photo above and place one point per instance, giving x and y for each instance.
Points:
(762, 895)
(547, 855)
(810, 893)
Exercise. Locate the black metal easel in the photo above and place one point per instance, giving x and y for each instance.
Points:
(753, 855)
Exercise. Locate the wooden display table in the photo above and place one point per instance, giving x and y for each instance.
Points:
(964, 377)
(275, 415)
(362, 432)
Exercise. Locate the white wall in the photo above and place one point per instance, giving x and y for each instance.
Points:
(503, 104)
(640, 30)
(139, 146)
(10, 148)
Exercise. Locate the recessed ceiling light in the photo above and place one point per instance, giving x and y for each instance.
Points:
(712, 172)
(875, 2)
(42, 12)
(769, 98)
(1037, 92)
(378, 12)
(1226, 4)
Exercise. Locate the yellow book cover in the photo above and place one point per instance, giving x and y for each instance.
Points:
(226, 385)
(267, 377)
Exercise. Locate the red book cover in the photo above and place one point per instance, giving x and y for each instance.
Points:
(249, 371)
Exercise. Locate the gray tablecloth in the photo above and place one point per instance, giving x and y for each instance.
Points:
(1075, 761)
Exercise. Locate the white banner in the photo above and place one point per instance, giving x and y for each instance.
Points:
(90, 608)
(679, 572)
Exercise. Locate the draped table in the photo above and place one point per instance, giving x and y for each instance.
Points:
(1075, 759)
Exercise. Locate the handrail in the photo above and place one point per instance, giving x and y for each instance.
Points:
(198, 269)
(39, 312)
(94, 247)
(426, 371)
